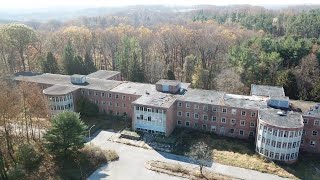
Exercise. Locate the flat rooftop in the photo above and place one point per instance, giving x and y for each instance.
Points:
(313, 111)
(290, 120)
(168, 82)
(261, 90)
(64, 80)
(162, 100)
(202, 96)
(103, 74)
(56, 90)
(135, 88)
(246, 102)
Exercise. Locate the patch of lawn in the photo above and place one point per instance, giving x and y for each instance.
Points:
(240, 153)
(105, 122)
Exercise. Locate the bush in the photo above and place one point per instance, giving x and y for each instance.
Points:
(28, 157)
(17, 173)
(99, 156)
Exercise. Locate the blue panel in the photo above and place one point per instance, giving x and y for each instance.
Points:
(165, 88)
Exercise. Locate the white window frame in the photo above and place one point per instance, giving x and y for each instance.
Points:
(313, 143)
(196, 106)
(187, 113)
(305, 121)
(213, 128)
(194, 116)
(233, 111)
(214, 117)
(254, 124)
(316, 122)
(204, 116)
(314, 133)
(244, 123)
(186, 123)
(187, 105)
(225, 111)
(178, 122)
(225, 120)
(242, 132)
(179, 104)
(180, 113)
(243, 113)
(253, 114)
(233, 123)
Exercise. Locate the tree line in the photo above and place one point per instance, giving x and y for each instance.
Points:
(224, 51)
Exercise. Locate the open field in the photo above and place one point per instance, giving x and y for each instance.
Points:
(241, 153)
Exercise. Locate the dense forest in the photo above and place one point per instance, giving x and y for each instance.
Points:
(221, 48)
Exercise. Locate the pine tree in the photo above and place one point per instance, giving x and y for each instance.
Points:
(50, 65)
(78, 66)
(88, 64)
(67, 59)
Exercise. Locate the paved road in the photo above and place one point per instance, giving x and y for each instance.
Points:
(132, 159)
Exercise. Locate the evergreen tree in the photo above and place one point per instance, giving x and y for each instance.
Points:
(50, 65)
(66, 134)
(88, 64)
(67, 59)
(170, 75)
(78, 66)
(188, 68)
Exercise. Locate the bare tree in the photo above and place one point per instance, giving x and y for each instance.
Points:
(201, 152)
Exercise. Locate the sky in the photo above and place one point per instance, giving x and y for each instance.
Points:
(38, 4)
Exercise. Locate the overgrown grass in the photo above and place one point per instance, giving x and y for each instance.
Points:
(105, 122)
(234, 152)
(183, 171)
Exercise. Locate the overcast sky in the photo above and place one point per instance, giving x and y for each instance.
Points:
(30, 4)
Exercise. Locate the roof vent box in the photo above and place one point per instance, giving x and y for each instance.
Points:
(78, 79)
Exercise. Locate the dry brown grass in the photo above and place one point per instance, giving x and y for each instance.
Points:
(183, 171)
(98, 155)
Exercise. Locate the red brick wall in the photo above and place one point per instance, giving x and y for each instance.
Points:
(308, 137)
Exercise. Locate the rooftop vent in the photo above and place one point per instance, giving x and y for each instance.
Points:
(78, 79)
(281, 113)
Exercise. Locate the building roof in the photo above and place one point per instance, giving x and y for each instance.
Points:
(59, 90)
(135, 88)
(163, 100)
(314, 111)
(246, 102)
(290, 120)
(202, 96)
(103, 74)
(168, 82)
(64, 80)
(261, 90)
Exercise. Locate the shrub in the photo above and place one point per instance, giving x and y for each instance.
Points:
(28, 157)
(16, 173)
(99, 156)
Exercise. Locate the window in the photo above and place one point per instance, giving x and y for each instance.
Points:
(242, 123)
(179, 113)
(234, 111)
(273, 143)
(251, 134)
(102, 94)
(268, 141)
(287, 156)
(117, 104)
(187, 123)
(204, 127)
(187, 114)
(294, 145)
(149, 118)
(137, 108)
(96, 93)
(205, 107)
(284, 145)
(271, 154)
(317, 122)
(291, 134)
(278, 144)
(223, 120)
(117, 113)
(123, 97)
(302, 141)
(285, 134)
(252, 124)
(259, 137)
(263, 140)
(277, 156)
(213, 118)
(243, 113)
(117, 96)
(266, 153)
(82, 92)
(280, 133)
(205, 117)
(110, 103)
(304, 132)
(214, 109)
(124, 105)
(282, 156)
(224, 110)
(233, 121)
(270, 130)
(253, 114)
(213, 128)
(130, 98)
(305, 121)
(102, 102)
(149, 109)
(312, 143)
(292, 156)
(196, 115)
(179, 122)
(289, 145)
(195, 125)
(196, 106)
(110, 95)
(241, 132)
(314, 133)
(179, 104)
(187, 105)
(89, 93)
(231, 131)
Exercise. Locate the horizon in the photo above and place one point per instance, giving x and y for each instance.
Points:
(74, 4)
